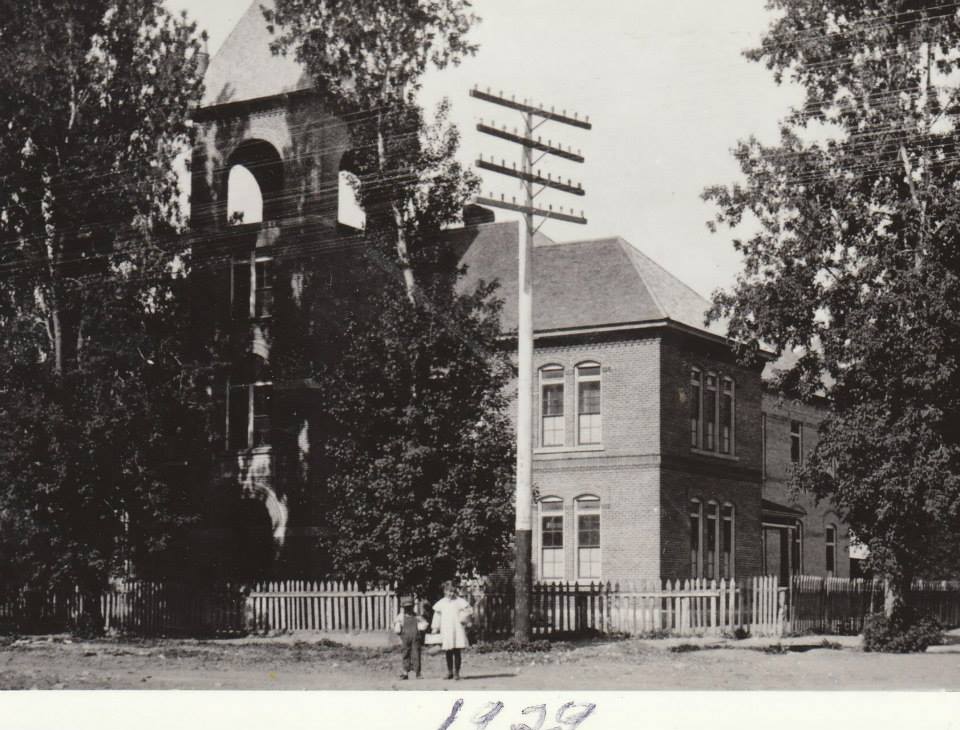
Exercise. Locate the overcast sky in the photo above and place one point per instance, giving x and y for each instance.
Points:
(666, 88)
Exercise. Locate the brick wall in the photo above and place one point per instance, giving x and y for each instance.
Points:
(622, 470)
(780, 412)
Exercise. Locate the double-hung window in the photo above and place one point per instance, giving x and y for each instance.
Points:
(696, 520)
(551, 539)
(252, 287)
(696, 407)
(249, 397)
(710, 413)
(726, 416)
(831, 541)
(796, 442)
(588, 537)
(589, 424)
(552, 426)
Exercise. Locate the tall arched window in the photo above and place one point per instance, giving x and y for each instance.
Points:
(244, 201)
(727, 541)
(552, 425)
(551, 539)
(349, 211)
(710, 540)
(589, 422)
(831, 544)
(696, 406)
(254, 183)
(696, 529)
(587, 511)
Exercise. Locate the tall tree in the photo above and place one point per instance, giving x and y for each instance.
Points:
(368, 57)
(101, 407)
(853, 259)
(415, 450)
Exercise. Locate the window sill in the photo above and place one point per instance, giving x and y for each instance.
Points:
(568, 449)
(714, 454)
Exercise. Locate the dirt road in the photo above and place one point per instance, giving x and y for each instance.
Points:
(61, 663)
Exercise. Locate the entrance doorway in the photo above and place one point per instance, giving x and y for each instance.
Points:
(782, 550)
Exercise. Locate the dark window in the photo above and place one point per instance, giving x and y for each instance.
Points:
(588, 538)
(726, 417)
(695, 407)
(796, 442)
(710, 413)
(763, 444)
(831, 540)
(726, 542)
(241, 289)
(711, 540)
(263, 295)
(695, 518)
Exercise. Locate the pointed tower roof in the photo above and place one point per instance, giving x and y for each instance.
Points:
(244, 68)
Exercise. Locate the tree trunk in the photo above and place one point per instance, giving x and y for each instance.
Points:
(896, 589)
(403, 257)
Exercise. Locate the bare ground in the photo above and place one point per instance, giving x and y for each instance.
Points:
(58, 662)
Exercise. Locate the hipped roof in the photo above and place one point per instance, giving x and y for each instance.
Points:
(593, 283)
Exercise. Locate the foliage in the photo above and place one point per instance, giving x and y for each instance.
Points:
(851, 259)
(102, 417)
(368, 59)
(901, 635)
(413, 457)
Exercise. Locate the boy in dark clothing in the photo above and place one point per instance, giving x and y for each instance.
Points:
(410, 627)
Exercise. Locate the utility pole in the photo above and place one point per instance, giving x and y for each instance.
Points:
(530, 178)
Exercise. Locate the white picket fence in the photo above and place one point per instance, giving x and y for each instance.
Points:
(320, 606)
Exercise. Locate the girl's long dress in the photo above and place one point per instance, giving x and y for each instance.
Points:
(446, 618)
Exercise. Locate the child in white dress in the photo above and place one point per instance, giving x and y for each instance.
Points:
(450, 615)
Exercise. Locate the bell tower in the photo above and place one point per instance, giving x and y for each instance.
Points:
(265, 188)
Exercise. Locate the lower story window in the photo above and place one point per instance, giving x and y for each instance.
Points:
(831, 539)
(726, 542)
(588, 538)
(551, 540)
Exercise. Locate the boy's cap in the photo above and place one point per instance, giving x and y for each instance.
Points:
(406, 601)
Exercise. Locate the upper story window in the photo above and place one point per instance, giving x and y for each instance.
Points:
(249, 396)
(796, 442)
(551, 538)
(252, 287)
(588, 537)
(552, 426)
(831, 541)
(696, 406)
(726, 416)
(589, 424)
(710, 413)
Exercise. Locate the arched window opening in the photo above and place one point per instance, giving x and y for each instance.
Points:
(711, 540)
(244, 201)
(254, 183)
(349, 211)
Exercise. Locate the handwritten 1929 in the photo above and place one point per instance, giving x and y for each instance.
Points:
(568, 716)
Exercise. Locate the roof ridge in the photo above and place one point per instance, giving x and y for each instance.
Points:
(665, 270)
(650, 289)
